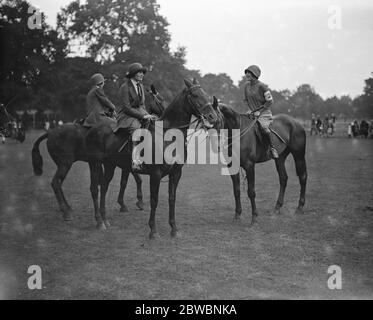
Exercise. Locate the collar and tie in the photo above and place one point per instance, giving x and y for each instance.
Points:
(139, 90)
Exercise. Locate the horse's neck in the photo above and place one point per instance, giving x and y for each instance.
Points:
(176, 115)
(233, 120)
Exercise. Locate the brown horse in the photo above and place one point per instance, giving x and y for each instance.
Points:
(103, 148)
(288, 135)
(66, 145)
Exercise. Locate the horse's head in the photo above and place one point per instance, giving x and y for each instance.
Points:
(200, 104)
(154, 102)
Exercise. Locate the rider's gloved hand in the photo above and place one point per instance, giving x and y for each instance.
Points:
(256, 113)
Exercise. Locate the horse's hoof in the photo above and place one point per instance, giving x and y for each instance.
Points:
(123, 209)
(276, 212)
(175, 234)
(153, 236)
(140, 204)
(299, 211)
(254, 221)
(237, 218)
(101, 226)
(67, 217)
(107, 223)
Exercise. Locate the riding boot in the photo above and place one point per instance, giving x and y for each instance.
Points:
(274, 152)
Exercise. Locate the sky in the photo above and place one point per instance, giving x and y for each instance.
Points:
(327, 44)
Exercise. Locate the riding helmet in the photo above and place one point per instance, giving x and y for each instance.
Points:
(254, 70)
(97, 79)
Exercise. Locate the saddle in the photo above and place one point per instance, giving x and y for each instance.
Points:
(278, 136)
(127, 135)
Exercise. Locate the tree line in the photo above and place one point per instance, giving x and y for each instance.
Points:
(49, 68)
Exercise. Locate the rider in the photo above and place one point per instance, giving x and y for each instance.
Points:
(132, 104)
(99, 107)
(259, 98)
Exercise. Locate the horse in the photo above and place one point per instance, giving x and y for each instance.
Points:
(289, 137)
(66, 145)
(104, 148)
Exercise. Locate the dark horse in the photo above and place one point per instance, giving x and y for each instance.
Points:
(66, 145)
(103, 147)
(252, 151)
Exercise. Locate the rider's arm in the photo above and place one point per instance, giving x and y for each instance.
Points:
(267, 96)
(101, 96)
(125, 104)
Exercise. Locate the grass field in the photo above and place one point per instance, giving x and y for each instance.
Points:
(284, 256)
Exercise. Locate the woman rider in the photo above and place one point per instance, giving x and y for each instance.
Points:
(259, 99)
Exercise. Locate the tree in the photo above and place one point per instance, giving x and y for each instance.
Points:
(306, 101)
(112, 28)
(26, 53)
(363, 105)
(122, 32)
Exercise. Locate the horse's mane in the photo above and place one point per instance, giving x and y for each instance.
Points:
(228, 112)
(174, 101)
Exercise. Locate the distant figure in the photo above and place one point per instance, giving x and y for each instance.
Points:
(47, 125)
(318, 124)
(331, 126)
(333, 118)
(54, 124)
(355, 128)
(364, 128)
(313, 124)
(349, 130)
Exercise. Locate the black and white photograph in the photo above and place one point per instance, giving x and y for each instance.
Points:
(204, 152)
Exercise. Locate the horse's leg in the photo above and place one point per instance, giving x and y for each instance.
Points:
(155, 180)
(57, 181)
(108, 176)
(237, 195)
(139, 203)
(174, 179)
(283, 177)
(95, 168)
(123, 185)
(250, 174)
(301, 169)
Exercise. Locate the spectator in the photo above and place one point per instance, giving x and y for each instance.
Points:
(47, 125)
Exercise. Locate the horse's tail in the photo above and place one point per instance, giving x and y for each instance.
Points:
(37, 160)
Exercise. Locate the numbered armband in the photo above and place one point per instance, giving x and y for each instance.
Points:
(268, 96)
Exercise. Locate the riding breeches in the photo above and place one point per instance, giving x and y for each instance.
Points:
(265, 119)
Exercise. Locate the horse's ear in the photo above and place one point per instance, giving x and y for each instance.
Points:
(195, 81)
(153, 89)
(188, 83)
(215, 102)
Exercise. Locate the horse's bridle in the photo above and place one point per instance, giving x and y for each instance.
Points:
(197, 108)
